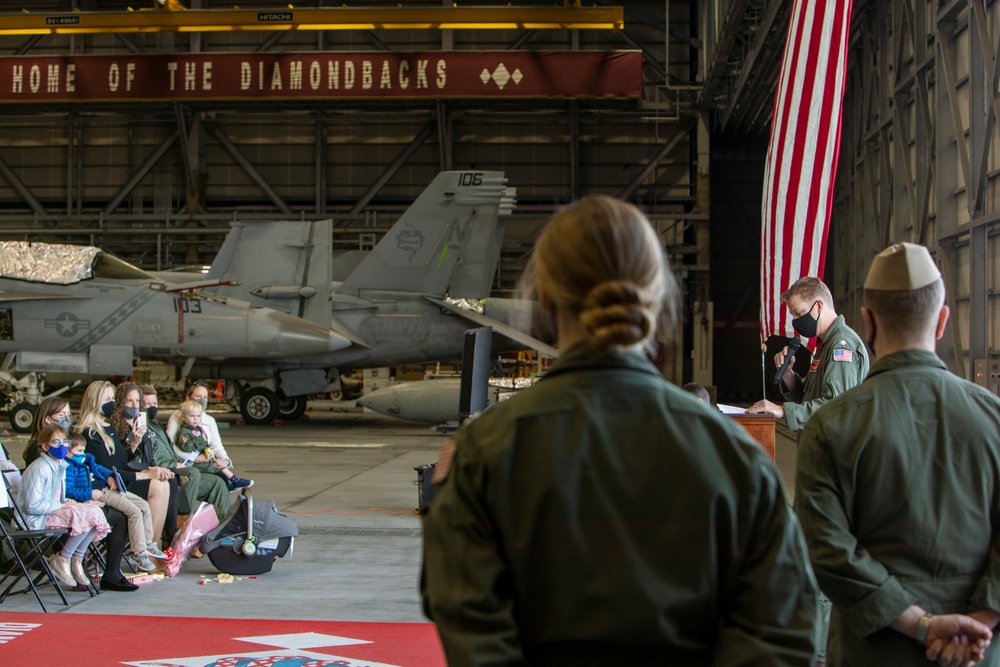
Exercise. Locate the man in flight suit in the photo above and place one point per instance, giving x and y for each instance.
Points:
(841, 361)
(898, 488)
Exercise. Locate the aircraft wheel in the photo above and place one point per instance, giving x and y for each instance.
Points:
(292, 408)
(22, 417)
(336, 395)
(259, 406)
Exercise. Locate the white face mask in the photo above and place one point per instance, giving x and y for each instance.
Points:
(203, 402)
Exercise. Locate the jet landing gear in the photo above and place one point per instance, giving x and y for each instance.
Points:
(22, 416)
(259, 405)
(292, 408)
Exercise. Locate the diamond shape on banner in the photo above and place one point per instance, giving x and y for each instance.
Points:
(501, 76)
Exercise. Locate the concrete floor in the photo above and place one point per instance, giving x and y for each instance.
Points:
(351, 561)
(348, 479)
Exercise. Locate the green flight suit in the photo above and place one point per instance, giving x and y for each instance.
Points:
(830, 375)
(604, 516)
(198, 485)
(898, 491)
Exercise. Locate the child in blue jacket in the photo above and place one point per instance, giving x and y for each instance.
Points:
(104, 488)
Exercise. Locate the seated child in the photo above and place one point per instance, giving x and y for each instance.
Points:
(191, 439)
(43, 502)
(104, 489)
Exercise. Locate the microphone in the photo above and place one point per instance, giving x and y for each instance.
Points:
(793, 347)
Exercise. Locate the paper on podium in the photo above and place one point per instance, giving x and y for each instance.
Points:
(731, 409)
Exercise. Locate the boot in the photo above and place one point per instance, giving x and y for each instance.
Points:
(79, 573)
(60, 568)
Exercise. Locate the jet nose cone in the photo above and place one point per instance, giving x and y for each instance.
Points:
(275, 334)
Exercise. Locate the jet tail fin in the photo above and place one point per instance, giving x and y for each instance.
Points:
(281, 265)
(447, 242)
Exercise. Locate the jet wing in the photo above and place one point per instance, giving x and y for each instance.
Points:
(14, 295)
(501, 328)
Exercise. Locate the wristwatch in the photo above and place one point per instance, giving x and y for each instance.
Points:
(923, 626)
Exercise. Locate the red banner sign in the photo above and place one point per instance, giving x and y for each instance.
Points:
(320, 76)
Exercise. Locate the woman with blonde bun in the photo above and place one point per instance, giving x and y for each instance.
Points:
(602, 517)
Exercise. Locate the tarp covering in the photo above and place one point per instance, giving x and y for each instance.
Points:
(51, 263)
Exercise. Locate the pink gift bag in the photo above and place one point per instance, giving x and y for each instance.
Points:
(198, 523)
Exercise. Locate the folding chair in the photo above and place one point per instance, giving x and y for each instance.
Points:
(93, 562)
(34, 545)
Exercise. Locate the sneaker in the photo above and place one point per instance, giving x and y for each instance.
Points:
(238, 483)
(154, 552)
(140, 561)
(60, 567)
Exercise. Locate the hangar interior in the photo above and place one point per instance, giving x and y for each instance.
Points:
(158, 181)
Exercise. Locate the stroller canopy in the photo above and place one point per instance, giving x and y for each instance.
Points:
(268, 523)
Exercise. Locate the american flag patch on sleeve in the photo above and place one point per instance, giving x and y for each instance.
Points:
(843, 355)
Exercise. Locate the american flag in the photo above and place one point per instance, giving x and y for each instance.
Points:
(843, 355)
(802, 154)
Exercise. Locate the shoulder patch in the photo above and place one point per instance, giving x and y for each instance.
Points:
(843, 355)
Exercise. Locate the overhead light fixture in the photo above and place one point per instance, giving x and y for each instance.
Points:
(326, 18)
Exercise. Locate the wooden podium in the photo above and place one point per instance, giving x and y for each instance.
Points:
(761, 428)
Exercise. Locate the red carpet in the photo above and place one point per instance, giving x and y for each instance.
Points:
(84, 640)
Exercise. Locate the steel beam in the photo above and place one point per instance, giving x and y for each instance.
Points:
(146, 167)
(718, 62)
(574, 149)
(978, 297)
(322, 164)
(129, 44)
(272, 39)
(763, 32)
(683, 131)
(20, 188)
(412, 148)
(247, 167)
(445, 147)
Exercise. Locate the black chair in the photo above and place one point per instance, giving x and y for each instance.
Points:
(28, 549)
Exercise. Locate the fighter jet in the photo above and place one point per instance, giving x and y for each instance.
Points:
(78, 309)
(409, 300)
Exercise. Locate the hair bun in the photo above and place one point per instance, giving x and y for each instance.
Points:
(615, 313)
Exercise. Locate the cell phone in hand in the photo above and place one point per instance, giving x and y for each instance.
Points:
(140, 421)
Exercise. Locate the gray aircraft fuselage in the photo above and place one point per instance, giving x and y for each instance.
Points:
(74, 327)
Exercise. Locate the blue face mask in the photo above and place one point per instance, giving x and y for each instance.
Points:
(79, 458)
(130, 412)
(59, 449)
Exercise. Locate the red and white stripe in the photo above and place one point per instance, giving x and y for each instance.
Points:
(802, 154)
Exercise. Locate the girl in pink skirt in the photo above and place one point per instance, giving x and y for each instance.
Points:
(42, 499)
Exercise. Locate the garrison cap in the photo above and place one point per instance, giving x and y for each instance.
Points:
(902, 267)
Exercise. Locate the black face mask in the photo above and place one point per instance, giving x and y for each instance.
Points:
(807, 324)
(151, 412)
(108, 409)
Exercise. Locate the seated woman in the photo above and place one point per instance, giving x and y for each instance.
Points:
(42, 499)
(52, 410)
(56, 410)
(195, 486)
(220, 462)
(102, 423)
